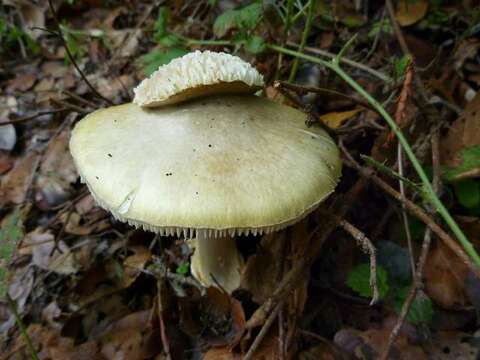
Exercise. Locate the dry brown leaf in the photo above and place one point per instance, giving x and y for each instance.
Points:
(336, 119)
(409, 12)
(463, 133)
(56, 172)
(21, 82)
(133, 264)
(41, 244)
(452, 345)
(14, 185)
(445, 277)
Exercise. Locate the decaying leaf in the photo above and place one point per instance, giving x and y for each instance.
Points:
(445, 275)
(411, 11)
(134, 263)
(336, 119)
(460, 150)
(14, 185)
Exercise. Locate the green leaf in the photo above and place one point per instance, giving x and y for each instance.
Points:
(471, 161)
(400, 65)
(255, 45)
(161, 23)
(10, 234)
(421, 310)
(182, 269)
(468, 193)
(244, 19)
(224, 23)
(359, 280)
(249, 16)
(170, 40)
(156, 58)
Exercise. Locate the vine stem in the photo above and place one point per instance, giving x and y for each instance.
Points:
(428, 192)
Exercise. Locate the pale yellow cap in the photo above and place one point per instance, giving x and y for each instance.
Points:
(224, 165)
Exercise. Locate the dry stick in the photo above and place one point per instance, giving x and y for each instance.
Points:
(79, 99)
(344, 60)
(419, 213)
(70, 56)
(163, 332)
(31, 117)
(418, 276)
(258, 340)
(367, 247)
(289, 281)
(304, 88)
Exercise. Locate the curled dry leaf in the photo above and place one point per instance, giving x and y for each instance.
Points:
(445, 276)
(458, 152)
(409, 12)
(56, 172)
(42, 245)
(133, 264)
(336, 119)
(14, 185)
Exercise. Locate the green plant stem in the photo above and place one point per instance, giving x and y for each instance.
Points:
(428, 192)
(13, 308)
(208, 42)
(303, 42)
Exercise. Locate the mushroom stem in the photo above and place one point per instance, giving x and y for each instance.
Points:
(217, 262)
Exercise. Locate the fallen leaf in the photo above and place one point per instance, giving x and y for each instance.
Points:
(459, 147)
(60, 261)
(450, 345)
(21, 82)
(336, 119)
(14, 185)
(411, 11)
(445, 277)
(56, 174)
(133, 264)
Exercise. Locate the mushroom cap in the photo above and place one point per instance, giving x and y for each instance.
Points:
(225, 165)
(197, 74)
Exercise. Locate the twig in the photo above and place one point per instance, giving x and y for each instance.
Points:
(71, 57)
(418, 276)
(13, 308)
(367, 246)
(31, 117)
(163, 332)
(301, 89)
(266, 326)
(345, 60)
(419, 213)
(70, 106)
(80, 99)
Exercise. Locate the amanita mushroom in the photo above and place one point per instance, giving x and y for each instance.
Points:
(210, 169)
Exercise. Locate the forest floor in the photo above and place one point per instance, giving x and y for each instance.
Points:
(76, 284)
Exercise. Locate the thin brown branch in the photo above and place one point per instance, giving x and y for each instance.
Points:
(31, 117)
(70, 55)
(419, 213)
(366, 245)
(163, 331)
(302, 89)
(266, 326)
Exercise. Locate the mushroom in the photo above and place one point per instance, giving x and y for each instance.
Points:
(197, 74)
(208, 169)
